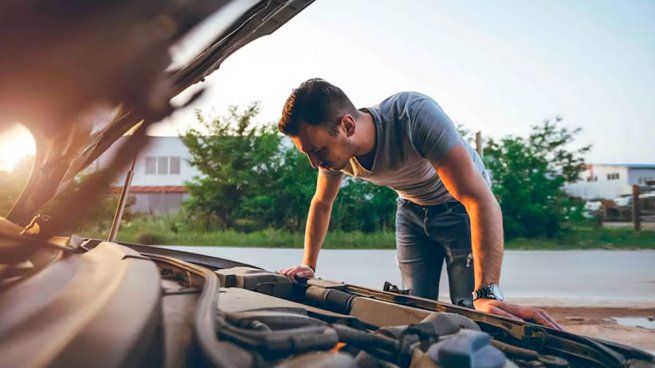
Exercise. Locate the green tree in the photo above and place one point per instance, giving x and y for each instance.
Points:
(359, 206)
(297, 185)
(362, 206)
(239, 164)
(12, 182)
(250, 179)
(529, 174)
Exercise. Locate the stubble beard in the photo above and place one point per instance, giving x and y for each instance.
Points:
(352, 150)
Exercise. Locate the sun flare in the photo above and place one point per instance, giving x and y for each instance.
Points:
(16, 142)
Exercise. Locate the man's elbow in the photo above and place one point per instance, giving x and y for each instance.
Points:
(480, 202)
(491, 201)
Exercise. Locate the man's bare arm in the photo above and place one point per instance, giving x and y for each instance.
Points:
(318, 218)
(466, 184)
(318, 221)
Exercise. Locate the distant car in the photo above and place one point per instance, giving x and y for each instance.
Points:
(69, 301)
(592, 209)
(623, 201)
(620, 209)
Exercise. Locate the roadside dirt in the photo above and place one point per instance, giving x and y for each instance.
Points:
(600, 323)
(645, 225)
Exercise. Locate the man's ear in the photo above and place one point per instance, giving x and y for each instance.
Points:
(348, 124)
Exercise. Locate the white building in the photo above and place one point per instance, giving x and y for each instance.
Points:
(160, 172)
(609, 181)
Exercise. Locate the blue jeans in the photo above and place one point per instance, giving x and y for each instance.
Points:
(425, 236)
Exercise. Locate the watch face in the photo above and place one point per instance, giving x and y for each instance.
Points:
(498, 295)
(489, 292)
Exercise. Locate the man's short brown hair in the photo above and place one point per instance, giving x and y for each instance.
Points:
(315, 102)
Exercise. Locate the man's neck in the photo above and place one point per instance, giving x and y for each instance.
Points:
(365, 140)
(365, 135)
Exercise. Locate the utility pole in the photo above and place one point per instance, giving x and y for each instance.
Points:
(478, 143)
(636, 210)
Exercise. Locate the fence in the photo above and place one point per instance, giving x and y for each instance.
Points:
(643, 204)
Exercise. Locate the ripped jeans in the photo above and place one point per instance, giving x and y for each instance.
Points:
(425, 236)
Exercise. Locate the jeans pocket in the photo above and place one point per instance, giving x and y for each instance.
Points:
(452, 229)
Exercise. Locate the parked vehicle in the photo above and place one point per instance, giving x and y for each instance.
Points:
(620, 209)
(592, 209)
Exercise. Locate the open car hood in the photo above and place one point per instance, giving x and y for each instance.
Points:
(79, 75)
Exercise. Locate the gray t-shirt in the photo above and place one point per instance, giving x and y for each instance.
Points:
(412, 133)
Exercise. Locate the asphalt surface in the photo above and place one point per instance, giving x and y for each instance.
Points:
(546, 278)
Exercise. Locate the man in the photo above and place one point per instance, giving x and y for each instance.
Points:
(446, 209)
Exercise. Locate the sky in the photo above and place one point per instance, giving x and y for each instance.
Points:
(494, 66)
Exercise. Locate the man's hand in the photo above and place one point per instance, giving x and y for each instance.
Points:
(302, 271)
(516, 312)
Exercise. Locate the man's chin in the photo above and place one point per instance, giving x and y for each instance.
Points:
(336, 167)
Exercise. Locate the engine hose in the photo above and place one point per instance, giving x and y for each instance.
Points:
(549, 361)
(310, 338)
(330, 299)
(292, 341)
(365, 339)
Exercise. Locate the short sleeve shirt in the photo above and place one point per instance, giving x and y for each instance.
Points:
(413, 133)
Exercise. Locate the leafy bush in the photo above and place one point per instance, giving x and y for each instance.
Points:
(149, 238)
(251, 180)
(529, 176)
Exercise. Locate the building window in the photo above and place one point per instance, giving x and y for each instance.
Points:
(613, 176)
(151, 165)
(162, 165)
(175, 165)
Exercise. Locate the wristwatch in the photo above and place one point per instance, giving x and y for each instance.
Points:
(491, 291)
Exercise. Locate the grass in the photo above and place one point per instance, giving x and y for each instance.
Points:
(587, 236)
(166, 231)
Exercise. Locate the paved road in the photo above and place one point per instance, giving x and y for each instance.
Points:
(546, 278)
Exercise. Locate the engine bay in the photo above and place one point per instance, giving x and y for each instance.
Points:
(109, 304)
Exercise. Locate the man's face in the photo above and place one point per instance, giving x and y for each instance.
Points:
(324, 150)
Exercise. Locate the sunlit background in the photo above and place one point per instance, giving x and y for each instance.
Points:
(493, 66)
(15, 143)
